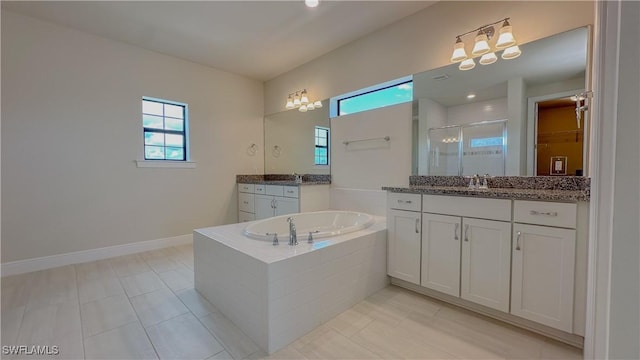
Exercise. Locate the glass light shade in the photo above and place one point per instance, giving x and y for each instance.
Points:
(482, 45)
(296, 101)
(506, 38)
(289, 103)
(458, 52)
(312, 3)
(310, 106)
(467, 65)
(511, 52)
(317, 104)
(304, 100)
(488, 58)
(303, 108)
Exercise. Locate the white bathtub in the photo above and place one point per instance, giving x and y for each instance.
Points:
(276, 294)
(321, 223)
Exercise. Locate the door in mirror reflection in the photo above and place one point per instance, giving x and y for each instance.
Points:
(559, 141)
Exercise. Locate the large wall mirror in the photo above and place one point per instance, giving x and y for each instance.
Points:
(513, 117)
(298, 142)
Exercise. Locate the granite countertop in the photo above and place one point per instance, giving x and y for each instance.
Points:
(499, 193)
(284, 182)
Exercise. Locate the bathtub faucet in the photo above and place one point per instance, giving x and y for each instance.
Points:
(293, 237)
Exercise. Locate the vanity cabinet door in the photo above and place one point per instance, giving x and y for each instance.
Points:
(403, 231)
(486, 262)
(441, 237)
(264, 206)
(285, 206)
(543, 275)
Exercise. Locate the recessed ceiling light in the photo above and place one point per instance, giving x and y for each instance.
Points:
(311, 3)
(471, 96)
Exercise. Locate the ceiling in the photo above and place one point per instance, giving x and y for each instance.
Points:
(258, 39)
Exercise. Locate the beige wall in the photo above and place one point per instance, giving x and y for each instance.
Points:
(72, 129)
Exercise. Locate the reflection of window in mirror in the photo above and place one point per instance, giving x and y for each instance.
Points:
(322, 145)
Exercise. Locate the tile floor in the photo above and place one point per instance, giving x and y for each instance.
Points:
(144, 306)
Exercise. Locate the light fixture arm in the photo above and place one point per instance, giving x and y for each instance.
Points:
(483, 27)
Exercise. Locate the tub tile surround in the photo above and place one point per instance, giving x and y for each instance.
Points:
(551, 188)
(284, 179)
(279, 293)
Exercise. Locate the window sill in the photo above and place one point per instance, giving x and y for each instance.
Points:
(166, 164)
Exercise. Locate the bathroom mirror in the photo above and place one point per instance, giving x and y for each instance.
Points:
(298, 142)
(547, 73)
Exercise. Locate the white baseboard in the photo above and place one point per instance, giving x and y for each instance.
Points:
(76, 257)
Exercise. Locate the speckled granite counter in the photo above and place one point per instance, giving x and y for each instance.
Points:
(281, 179)
(551, 188)
(498, 193)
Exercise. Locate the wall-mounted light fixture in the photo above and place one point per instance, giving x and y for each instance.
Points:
(300, 100)
(482, 48)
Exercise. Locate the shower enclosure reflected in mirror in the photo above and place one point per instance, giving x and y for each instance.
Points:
(298, 142)
(445, 97)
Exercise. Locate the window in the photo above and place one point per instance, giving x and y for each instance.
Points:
(482, 142)
(322, 146)
(165, 129)
(372, 99)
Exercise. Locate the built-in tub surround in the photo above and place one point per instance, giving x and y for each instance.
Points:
(284, 179)
(276, 294)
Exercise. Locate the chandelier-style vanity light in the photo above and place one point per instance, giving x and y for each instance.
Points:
(300, 100)
(482, 48)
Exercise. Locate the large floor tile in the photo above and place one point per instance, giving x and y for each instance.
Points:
(53, 325)
(126, 342)
(129, 265)
(16, 290)
(333, 345)
(142, 283)
(11, 321)
(178, 279)
(157, 306)
(160, 260)
(237, 343)
(94, 270)
(53, 286)
(349, 322)
(106, 314)
(554, 350)
(183, 337)
(222, 355)
(198, 305)
(99, 288)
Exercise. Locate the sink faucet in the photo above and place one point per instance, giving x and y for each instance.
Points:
(293, 237)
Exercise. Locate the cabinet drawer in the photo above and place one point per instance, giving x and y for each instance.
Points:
(260, 189)
(277, 190)
(291, 191)
(245, 188)
(246, 202)
(403, 201)
(245, 216)
(482, 208)
(545, 213)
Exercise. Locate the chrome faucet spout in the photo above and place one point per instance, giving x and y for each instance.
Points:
(293, 236)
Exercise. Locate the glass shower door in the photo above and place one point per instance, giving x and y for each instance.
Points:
(484, 148)
(444, 151)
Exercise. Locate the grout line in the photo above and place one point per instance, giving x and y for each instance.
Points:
(84, 351)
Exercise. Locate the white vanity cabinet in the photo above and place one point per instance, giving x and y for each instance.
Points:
(403, 236)
(261, 201)
(466, 248)
(544, 254)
